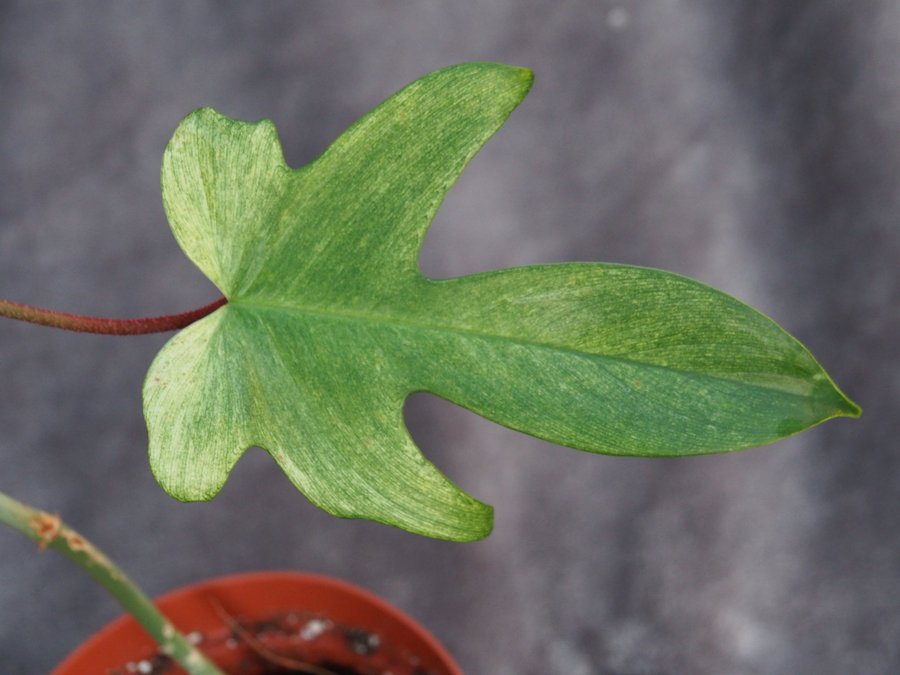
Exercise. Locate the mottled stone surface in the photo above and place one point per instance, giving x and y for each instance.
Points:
(754, 145)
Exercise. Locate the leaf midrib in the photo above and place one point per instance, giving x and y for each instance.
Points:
(351, 315)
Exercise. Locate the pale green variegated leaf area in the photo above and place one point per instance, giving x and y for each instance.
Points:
(330, 326)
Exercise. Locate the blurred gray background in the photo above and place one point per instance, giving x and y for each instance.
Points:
(754, 145)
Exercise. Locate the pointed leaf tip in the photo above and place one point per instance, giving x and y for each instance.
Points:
(846, 406)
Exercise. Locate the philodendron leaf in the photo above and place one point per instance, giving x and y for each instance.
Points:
(330, 325)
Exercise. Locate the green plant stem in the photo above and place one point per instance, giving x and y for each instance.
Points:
(49, 531)
(104, 326)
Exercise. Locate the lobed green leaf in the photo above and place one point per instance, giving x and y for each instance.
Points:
(330, 326)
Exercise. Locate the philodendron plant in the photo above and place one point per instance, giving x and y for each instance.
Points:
(327, 324)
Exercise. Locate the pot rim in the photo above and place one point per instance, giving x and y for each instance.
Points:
(260, 589)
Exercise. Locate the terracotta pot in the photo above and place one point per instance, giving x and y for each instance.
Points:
(294, 616)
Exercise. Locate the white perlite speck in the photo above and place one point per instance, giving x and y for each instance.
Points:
(313, 629)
